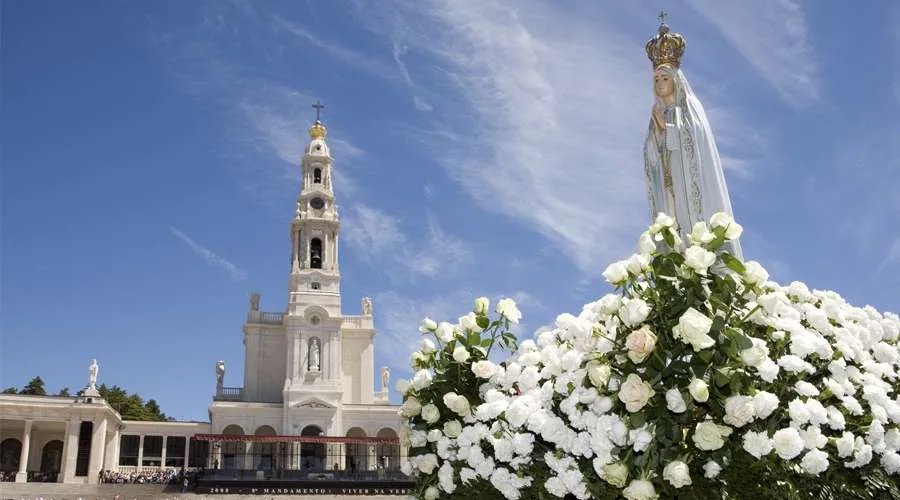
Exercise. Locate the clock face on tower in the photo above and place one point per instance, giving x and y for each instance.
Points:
(317, 203)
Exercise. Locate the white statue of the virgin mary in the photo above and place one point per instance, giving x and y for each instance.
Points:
(681, 160)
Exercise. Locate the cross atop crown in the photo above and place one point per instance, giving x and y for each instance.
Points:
(665, 48)
(318, 131)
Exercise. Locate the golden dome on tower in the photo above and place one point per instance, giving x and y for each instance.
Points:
(318, 131)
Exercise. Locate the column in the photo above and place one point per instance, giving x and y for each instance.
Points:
(98, 446)
(187, 452)
(162, 461)
(140, 462)
(336, 266)
(298, 356)
(111, 456)
(22, 474)
(70, 451)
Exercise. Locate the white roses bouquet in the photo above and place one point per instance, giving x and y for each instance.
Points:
(698, 378)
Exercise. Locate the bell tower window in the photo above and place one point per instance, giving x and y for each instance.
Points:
(315, 253)
(317, 176)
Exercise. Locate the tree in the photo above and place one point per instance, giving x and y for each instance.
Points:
(129, 406)
(34, 388)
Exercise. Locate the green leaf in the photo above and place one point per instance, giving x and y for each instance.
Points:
(733, 264)
(638, 419)
(482, 321)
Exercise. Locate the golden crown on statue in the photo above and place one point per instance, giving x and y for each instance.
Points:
(666, 47)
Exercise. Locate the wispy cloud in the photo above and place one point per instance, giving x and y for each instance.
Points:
(210, 257)
(772, 35)
(335, 50)
(543, 125)
(379, 239)
(420, 102)
(892, 257)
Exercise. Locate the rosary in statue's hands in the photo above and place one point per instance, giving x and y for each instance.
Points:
(659, 117)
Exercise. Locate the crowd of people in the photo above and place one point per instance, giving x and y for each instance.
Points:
(161, 476)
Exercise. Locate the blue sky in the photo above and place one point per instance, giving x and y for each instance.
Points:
(151, 150)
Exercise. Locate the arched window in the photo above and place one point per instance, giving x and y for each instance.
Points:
(317, 176)
(315, 253)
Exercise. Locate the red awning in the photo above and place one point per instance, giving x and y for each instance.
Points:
(230, 438)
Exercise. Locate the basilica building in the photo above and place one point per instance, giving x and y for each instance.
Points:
(308, 403)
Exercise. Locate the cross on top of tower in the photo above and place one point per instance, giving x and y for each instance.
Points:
(317, 131)
(319, 107)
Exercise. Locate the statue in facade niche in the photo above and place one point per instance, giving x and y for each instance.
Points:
(314, 355)
(367, 306)
(254, 301)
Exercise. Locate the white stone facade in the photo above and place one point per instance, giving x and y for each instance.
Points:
(309, 365)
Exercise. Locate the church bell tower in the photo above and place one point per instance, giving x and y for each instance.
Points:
(313, 320)
(315, 275)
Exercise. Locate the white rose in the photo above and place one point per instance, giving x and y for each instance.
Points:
(645, 244)
(452, 429)
(709, 436)
(507, 308)
(757, 444)
(664, 220)
(700, 234)
(418, 439)
(768, 370)
(815, 462)
(418, 359)
(641, 438)
(615, 473)
(610, 303)
(468, 322)
(739, 410)
(677, 474)
(637, 263)
(711, 469)
(428, 325)
(430, 413)
(457, 404)
(616, 273)
(640, 489)
(460, 354)
(753, 356)
(692, 328)
(432, 493)
(444, 331)
(674, 401)
(755, 273)
(634, 311)
(402, 386)
(599, 374)
(427, 463)
(635, 393)
(482, 304)
(699, 259)
(484, 369)
(720, 219)
(421, 380)
(764, 403)
(788, 443)
(427, 346)
(411, 407)
(640, 344)
(699, 390)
